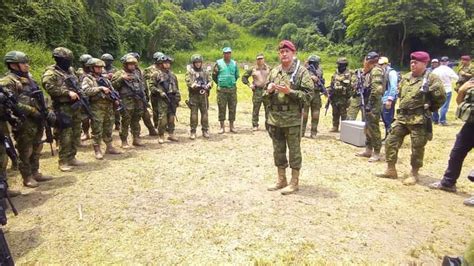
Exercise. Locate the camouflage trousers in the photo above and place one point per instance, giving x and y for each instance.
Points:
(117, 118)
(354, 108)
(69, 138)
(154, 100)
(315, 105)
(28, 144)
(147, 120)
(227, 98)
(339, 107)
(166, 120)
(372, 127)
(257, 100)
(103, 122)
(199, 103)
(3, 152)
(419, 138)
(131, 116)
(283, 137)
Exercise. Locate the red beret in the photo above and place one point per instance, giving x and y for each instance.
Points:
(420, 56)
(466, 57)
(287, 44)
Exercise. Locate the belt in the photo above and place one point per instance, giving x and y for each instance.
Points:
(417, 111)
(280, 108)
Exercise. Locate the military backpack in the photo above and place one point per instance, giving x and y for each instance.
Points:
(465, 110)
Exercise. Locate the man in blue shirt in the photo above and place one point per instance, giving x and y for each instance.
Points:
(389, 98)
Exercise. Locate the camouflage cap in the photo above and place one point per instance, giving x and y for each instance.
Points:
(342, 60)
(107, 57)
(314, 58)
(95, 62)
(16, 57)
(157, 55)
(260, 56)
(84, 58)
(62, 52)
(196, 58)
(128, 59)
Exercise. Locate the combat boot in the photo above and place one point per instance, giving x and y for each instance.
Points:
(76, 162)
(30, 182)
(125, 144)
(293, 187)
(255, 128)
(334, 130)
(136, 142)
(231, 127)
(172, 137)
(367, 153)
(222, 130)
(313, 134)
(390, 172)
(281, 180)
(117, 126)
(375, 157)
(64, 167)
(98, 153)
(205, 134)
(413, 178)
(152, 131)
(192, 136)
(41, 178)
(161, 139)
(110, 149)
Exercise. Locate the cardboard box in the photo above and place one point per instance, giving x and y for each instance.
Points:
(352, 132)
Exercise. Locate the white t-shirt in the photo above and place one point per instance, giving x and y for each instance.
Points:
(447, 76)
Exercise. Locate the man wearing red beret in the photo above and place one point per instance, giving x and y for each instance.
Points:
(421, 93)
(288, 90)
(466, 71)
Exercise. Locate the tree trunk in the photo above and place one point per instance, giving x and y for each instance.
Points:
(402, 44)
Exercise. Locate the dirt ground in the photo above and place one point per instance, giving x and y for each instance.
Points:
(205, 202)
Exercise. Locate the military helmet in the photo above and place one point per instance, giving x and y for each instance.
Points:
(168, 59)
(84, 58)
(95, 62)
(128, 59)
(107, 57)
(61, 52)
(164, 58)
(157, 55)
(342, 60)
(135, 54)
(196, 58)
(16, 57)
(314, 58)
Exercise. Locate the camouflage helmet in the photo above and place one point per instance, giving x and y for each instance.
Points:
(196, 58)
(95, 62)
(157, 55)
(61, 52)
(342, 60)
(134, 54)
(164, 58)
(168, 59)
(16, 57)
(107, 57)
(128, 59)
(84, 58)
(314, 58)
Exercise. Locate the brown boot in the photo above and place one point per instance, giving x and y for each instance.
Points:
(172, 137)
(390, 172)
(152, 131)
(64, 167)
(313, 134)
(293, 187)
(76, 162)
(41, 178)
(110, 149)
(367, 153)
(334, 130)
(192, 136)
(161, 139)
(205, 134)
(125, 145)
(231, 127)
(281, 180)
(136, 142)
(30, 182)
(98, 153)
(413, 178)
(222, 130)
(375, 157)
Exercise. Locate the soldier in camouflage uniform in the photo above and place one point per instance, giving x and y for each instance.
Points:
(102, 107)
(289, 85)
(226, 74)
(355, 102)
(29, 132)
(199, 84)
(128, 84)
(81, 74)
(165, 86)
(316, 73)
(259, 74)
(109, 71)
(373, 84)
(63, 96)
(340, 91)
(420, 94)
(466, 71)
(148, 73)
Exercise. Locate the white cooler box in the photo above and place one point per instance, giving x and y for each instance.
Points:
(352, 132)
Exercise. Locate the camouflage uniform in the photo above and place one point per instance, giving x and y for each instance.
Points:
(465, 73)
(110, 72)
(340, 92)
(355, 102)
(69, 132)
(134, 107)
(81, 74)
(315, 104)
(374, 81)
(148, 73)
(198, 97)
(259, 76)
(146, 114)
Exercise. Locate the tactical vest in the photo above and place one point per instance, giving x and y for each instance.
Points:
(342, 83)
(226, 75)
(465, 110)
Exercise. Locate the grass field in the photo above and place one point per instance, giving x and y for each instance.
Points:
(205, 202)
